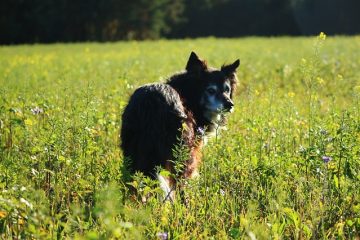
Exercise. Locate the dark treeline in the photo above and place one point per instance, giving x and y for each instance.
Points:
(25, 21)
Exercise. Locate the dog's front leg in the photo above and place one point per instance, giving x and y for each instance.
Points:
(168, 185)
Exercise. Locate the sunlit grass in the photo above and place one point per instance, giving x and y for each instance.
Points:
(287, 167)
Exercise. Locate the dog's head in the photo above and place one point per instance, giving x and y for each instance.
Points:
(216, 87)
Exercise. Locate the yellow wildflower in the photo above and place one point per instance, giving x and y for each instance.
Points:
(3, 214)
(320, 80)
(291, 94)
(322, 36)
(357, 89)
(184, 126)
(28, 122)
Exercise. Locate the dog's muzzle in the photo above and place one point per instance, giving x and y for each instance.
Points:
(228, 105)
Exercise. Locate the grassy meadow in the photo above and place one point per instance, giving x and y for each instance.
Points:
(288, 167)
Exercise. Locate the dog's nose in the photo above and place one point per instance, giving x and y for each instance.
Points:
(228, 105)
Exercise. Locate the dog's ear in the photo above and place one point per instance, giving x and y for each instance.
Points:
(229, 71)
(195, 64)
(231, 68)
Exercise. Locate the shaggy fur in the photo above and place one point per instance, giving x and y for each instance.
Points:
(184, 109)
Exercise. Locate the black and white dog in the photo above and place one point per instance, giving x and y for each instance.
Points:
(188, 106)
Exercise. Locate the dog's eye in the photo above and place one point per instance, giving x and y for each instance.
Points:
(211, 91)
(227, 89)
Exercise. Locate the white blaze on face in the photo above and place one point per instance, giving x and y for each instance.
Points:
(227, 88)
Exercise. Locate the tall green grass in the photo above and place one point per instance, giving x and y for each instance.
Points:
(288, 167)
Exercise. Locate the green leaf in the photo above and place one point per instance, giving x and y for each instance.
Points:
(336, 181)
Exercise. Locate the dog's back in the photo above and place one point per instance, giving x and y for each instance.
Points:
(151, 125)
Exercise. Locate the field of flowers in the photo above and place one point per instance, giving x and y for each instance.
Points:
(288, 167)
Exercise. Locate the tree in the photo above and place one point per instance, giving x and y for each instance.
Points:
(78, 20)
